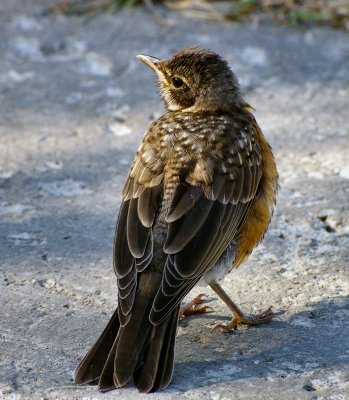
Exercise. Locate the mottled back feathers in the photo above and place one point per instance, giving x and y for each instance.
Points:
(189, 189)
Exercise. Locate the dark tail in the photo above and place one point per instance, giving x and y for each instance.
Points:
(139, 350)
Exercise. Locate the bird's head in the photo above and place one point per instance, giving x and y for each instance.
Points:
(195, 79)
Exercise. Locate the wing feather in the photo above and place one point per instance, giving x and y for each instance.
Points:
(123, 259)
(147, 205)
(204, 217)
(133, 243)
(181, 231)
(198, 237)
(137, 234)
(184, 199)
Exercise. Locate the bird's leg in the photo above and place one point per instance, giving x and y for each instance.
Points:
(191, 307)
(239, 318)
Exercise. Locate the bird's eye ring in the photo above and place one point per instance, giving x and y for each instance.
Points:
(177, 82)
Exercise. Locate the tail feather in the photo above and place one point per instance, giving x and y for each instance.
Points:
(144, 377)
(106, 380)
(166, 363)
(131, 341)
(157, 368)
(139, 350)
(91, 366)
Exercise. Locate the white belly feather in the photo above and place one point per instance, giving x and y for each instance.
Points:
(221, 268)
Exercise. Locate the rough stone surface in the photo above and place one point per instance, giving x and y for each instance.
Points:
(74, 105)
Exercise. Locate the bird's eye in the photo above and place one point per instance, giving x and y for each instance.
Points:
(177, 82)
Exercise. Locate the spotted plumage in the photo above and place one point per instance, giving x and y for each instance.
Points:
(198, 197)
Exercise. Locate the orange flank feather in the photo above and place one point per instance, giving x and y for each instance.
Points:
(260, 213)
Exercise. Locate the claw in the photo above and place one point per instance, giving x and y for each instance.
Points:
(245, 320)
(191, 309)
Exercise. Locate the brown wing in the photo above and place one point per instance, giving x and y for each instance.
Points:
(203, 220)
(133, 243)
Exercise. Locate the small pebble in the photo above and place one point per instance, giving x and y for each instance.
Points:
(344, 172)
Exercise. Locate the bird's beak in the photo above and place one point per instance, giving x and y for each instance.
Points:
(151, 62)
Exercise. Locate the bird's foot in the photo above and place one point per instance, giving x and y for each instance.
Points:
(192, 309)
(241, 319)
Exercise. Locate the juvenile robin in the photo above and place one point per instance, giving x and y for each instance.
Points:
(198, 198)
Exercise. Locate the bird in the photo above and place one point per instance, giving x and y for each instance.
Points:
(199, 196)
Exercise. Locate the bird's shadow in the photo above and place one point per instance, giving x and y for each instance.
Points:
(306, 341)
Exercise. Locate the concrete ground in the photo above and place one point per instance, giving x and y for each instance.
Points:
(74, 105)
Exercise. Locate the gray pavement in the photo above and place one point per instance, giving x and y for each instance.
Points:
(74, 103)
